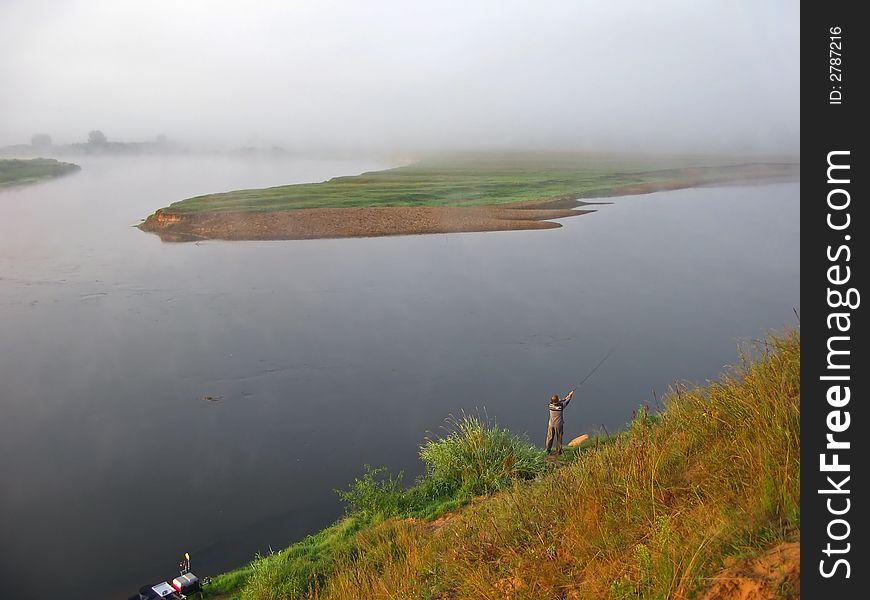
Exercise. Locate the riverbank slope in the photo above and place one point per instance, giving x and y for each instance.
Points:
(699, 500)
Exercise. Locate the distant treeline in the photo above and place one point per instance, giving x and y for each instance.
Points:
(97, 143)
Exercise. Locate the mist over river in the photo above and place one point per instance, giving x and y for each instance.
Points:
(158, 398)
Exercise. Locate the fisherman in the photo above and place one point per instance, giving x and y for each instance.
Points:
(184, 565)
(554, 428)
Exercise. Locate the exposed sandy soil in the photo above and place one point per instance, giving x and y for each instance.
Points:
(311, 223)
(774, 575)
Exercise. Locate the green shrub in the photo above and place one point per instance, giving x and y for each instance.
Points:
(480, 458)
(473, 458)
(375, 493)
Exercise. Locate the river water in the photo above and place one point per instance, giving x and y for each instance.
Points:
(158, 398)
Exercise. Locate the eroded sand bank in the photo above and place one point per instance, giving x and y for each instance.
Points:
(312, 223)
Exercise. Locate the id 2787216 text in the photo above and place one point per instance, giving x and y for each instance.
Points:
(835, 65)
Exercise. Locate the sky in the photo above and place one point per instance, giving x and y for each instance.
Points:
(433, 75)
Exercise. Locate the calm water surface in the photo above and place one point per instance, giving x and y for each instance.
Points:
(323, 355)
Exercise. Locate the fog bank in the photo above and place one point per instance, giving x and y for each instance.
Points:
(674, 75)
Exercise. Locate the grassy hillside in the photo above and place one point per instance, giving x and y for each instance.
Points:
(482, 181)
(652, 512)
(15, 171)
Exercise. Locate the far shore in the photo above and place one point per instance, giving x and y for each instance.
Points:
(21, 171)
(423, 200)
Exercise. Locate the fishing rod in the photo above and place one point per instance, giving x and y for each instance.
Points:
(603, 360)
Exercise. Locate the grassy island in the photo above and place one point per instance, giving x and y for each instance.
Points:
(439, 196)
(699, 500)
(17, 171)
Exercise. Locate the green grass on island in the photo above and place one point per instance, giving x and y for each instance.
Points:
(17, 171)
(654, 511)
(479, 181)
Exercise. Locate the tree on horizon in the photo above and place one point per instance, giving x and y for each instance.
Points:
(97, 138)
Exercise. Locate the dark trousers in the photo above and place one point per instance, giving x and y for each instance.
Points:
(554, 431)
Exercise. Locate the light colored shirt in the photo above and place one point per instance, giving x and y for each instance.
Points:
(556, 409)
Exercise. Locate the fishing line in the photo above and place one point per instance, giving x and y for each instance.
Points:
(603, 360)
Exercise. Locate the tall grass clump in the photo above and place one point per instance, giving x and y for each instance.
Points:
(376, 493)
(473, 458)
(479, 458)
